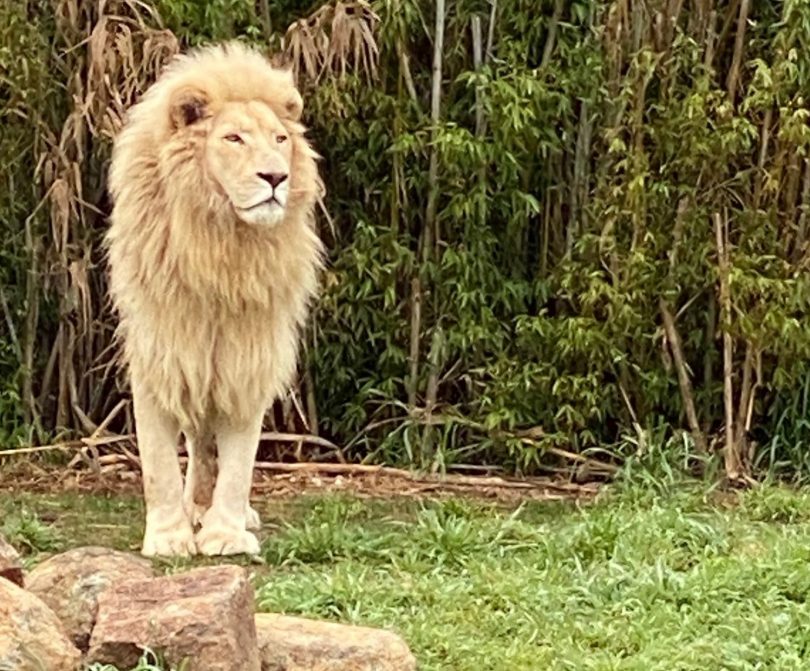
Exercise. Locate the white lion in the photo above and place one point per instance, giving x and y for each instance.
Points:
(214, 262)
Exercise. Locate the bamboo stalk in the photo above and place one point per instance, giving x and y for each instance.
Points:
(684, 382)
(493, 15)
(431, 393)
(739, 45)
(12, 331)
(415, 338)
(548, 50)
(478, 62)
(32, 289)
(264, 17)
(732, 462)
(480, 119)
(744, 402)
(431, 236)
(405, 68)
(801, 228)
(708, 359)
(310, 401)
(711, 40)
(765, 136)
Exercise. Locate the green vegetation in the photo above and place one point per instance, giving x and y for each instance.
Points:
(680, 578)
(601, 236)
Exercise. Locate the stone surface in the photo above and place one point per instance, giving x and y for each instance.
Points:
(70, 584)
(296, 644)
(204, 616)
(31, 636)
(10, 564)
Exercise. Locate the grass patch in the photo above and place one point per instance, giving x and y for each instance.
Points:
(636, 581)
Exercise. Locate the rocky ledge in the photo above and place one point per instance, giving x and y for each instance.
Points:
(97, 605)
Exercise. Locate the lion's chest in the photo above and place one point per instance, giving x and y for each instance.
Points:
(202, 360)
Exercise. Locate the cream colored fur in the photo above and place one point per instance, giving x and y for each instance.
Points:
(212, 281)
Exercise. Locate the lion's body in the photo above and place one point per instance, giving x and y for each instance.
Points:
(210, 318)
(211, 308)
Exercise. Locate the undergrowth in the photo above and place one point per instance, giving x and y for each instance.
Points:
(612, 236)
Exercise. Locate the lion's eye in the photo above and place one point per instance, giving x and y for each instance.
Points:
(233, 137)
(281, 138)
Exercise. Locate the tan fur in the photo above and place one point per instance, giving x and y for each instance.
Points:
(210, 302)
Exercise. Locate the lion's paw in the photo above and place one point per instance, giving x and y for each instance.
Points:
(219, 540)
(177, 541)
(254, 521)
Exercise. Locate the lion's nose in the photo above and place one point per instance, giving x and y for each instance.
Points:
(273, 178)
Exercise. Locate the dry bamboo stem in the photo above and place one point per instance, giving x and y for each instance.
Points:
(310, 439)
(67, 445)
(684, 382)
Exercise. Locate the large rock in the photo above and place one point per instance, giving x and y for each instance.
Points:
(70, 584)
(295, 644)
(31, 636)
(204, 615)
(10, 563)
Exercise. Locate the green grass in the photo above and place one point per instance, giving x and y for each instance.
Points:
(640, 580)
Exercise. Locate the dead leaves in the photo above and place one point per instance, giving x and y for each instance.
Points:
(334, 39)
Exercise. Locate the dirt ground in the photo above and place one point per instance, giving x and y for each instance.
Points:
(27, 474)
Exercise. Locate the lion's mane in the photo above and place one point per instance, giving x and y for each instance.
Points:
(210, 309)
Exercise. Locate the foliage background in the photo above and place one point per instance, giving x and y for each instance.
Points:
(597, 249)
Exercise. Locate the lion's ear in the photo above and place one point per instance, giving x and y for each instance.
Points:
(187, 106)
(293, 106)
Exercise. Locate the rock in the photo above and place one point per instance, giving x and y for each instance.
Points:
(70, 584)
(204, 615)
(31, 636)
(296, 644)
(10, 563)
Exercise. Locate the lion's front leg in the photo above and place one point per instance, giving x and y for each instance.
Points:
(168, 530)
(201, 474)
(224, 524)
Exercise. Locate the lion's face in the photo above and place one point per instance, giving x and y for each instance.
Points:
(248, 153)
(247, 149)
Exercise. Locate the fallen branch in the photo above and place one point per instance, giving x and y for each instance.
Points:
(299, 438)
(454, 480)
(68, 445)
